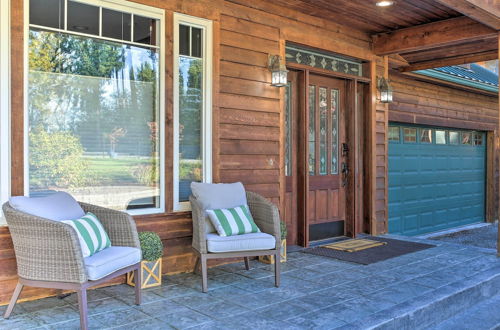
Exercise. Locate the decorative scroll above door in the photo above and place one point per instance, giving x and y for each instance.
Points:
(315, 59)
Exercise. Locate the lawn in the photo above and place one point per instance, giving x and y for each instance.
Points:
(109, 170)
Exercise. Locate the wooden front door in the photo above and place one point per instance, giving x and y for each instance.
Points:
(315, 160)
(327, 168)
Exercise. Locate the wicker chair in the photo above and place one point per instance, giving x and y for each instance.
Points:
(266, 217)
(48, 253)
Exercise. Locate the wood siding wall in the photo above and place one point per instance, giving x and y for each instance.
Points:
(247, 114)
(420, 102)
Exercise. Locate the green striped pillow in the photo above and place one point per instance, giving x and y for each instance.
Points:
(233, 221)
(93, 238)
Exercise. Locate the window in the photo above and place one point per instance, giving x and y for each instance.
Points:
(467, 138)
(192, 105)
(4, 103)
(440, 136)
(454, 137)
(478, 139)
(425, 135)
(410, 135)
(394, 133)
(95, 103)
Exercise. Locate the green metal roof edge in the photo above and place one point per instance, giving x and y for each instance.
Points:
(447, 77)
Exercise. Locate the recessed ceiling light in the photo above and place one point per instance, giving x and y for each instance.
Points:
(384, 3)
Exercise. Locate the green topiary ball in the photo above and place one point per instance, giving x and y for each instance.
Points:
(151, 245)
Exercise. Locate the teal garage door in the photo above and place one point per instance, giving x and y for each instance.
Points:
(436, 178)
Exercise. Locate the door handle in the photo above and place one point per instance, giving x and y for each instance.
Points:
(345, 173)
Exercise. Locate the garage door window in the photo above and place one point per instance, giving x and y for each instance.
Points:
(394, 134)
(440, 137)
(466, 138)
(410, 135)
(454, 137)
(478, 139)
(425, 135)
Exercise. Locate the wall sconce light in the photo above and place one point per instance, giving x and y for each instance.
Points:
(278, 71)
(385, 90)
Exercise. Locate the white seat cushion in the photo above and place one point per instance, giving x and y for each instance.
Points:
(110, 260)
(245, 242)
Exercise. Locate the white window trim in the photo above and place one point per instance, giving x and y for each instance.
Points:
(120, 5)
(206, 131)
(4, 105)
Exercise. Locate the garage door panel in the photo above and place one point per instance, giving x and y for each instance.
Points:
(435, 186)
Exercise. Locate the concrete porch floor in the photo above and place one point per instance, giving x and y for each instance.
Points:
(443, 287)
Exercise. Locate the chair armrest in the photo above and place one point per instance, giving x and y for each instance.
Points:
(265, 214)
(46, 250)
(199, 226)
(119, 226)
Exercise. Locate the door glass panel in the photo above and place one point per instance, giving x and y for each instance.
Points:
(454, 138)
(288, 129)
(394, 133)
(312, 129)
(425, 135)
(466, 138)
(323, 112)
(440, 136)
(410, 135)
(335, 128)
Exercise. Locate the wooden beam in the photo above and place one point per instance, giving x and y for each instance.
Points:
(498, 151)
(486, 12)
(438, 34)
(457, 60)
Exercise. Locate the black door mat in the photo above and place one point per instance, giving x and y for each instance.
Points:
(393, 248)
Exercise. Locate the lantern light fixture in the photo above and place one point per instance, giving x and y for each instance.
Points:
(384, 3)
(385, 89)
(278, 71)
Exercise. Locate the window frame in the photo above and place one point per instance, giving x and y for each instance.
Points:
(119, 5)
(5, 145)
(206, 130)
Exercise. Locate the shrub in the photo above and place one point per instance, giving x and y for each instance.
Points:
(56, 159)
(146, 174)
(284, 231)
(151, 245)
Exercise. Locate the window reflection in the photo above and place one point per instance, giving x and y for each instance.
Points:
(426, 135)
(410, 134)
(440, 137)
(467, 138)
(454, 137)
(394, 133)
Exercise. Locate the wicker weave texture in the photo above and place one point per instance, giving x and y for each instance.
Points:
(48, 250)
(264, 213)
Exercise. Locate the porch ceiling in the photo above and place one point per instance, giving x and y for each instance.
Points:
(424, 33)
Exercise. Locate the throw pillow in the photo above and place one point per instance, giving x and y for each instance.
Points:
(93, 238)
(233, 221)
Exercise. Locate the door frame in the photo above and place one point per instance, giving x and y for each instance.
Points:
(356, 117)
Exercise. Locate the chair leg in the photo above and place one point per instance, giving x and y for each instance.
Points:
(82, 305)
(196, 265)
(204, 274)
(247, 263)
(277, 264)
(138, 285)
(13, 300)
